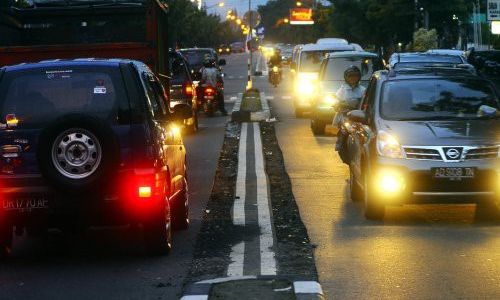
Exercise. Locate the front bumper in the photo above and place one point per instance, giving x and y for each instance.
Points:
(420, 186)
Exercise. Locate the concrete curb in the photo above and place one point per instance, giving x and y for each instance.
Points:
(303, 290)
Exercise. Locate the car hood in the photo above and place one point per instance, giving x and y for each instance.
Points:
(444, 133)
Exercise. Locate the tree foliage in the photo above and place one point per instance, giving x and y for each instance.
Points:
(424, 39)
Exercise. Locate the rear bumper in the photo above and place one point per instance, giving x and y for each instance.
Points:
(420, 185)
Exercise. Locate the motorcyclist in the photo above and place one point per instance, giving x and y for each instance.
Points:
(348, 96)
(275, 60)
(211, 76)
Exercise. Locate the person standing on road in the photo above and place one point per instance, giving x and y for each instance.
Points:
(349, 96)
(210, 76)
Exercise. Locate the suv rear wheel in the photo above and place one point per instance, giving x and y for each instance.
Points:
(158, 234)
(318, 127)
(180, 210)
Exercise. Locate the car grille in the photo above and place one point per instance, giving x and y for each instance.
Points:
(482, 153)
(438, 153)
(422, 153)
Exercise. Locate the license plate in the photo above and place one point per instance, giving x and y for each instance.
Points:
(25, 204)
(454, 173)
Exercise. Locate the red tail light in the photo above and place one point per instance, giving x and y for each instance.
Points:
(209, 91)
(188, 90)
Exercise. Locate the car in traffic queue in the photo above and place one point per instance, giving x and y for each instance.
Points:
(331, 78)
(183, 97)
(224, 49)
(431, 59)
(89, 142)
(307, 69)
(238, 47)
(426, 135)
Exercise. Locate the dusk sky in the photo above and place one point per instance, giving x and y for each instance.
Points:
(240, 5)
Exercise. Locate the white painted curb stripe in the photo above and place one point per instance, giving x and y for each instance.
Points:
(226, 279)
(237, 104)
(237, 257)
(239, 201)
(195, 297)
(307, 287)
(267, 258)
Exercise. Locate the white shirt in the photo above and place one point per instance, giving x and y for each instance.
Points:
(349, 95)
(209, 76)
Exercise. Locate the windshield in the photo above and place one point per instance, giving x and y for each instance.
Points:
(41, 95)
(310, 61)
(436, 99)
(336, 67)
(101, 23)
(196, 58)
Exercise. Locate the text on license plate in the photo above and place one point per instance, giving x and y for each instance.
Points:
(25, 204)
(454, 172)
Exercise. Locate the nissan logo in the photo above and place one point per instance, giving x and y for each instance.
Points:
(453, 153)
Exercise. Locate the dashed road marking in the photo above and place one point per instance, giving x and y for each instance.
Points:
(270, 97)
(286, 97)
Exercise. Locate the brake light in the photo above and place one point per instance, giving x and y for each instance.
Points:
(188, 90)
(209, 91)
(144, 192)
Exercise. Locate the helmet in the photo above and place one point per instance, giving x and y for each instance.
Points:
(208, 61)
(352, 70)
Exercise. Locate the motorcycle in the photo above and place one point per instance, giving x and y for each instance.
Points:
(209, 100)
(344, 127)
(275, 76)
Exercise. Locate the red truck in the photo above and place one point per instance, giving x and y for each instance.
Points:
(32, 31)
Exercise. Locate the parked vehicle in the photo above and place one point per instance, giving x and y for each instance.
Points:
(107, 155)
(426, 135)
(307, 70)
(183, 98)
(331, 78)
(224, 49)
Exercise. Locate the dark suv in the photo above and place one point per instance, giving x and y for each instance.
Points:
(426, 136)
(87, 143)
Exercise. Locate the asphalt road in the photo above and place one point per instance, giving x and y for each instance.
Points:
(107, 263)
(417, 252)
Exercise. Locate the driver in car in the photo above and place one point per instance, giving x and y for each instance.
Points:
(349, 96)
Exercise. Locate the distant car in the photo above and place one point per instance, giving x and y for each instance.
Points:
(425, 136)
(418, 59)
(331, 78)
(307, 68)
(224, 49)
(89, 142)
(332, 41)
(238, 47)
(447, 52)
(183, 98)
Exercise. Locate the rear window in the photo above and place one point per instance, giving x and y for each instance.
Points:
(197, 57)
(336, 67)
(38, 96)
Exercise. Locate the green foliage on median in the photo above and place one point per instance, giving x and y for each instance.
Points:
(251, 101)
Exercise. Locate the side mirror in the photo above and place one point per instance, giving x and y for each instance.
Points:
(357, 116)
(222, 62)
(293, 65)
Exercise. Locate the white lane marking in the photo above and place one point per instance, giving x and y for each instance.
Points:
(226, 279)
(286, 97)
(233, 98)
(241, 77)
(195, 297)
(267, 258)
(270, 97)
(239, 201)
(263, 102)
(307, 287)
(237, 257)
(230, 77)
(237, 104)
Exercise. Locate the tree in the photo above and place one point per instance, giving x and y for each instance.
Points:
(424, 39)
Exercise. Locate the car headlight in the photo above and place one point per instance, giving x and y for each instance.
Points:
(330, 99)
(305, 88)
(388, 145)
(275, 69)
(390, 183)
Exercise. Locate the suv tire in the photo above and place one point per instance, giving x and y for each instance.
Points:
(158, 234)
(374, 210)
(77, 153)
(180, 210)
